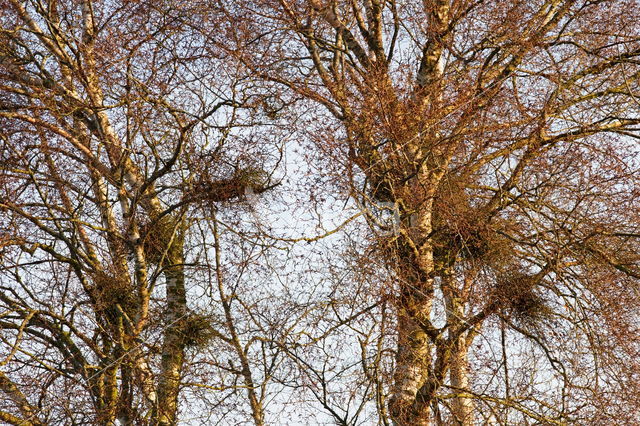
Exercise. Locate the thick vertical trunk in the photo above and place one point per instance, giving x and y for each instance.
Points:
(413, 364)
(173, 346)
(461, 407)
(108, 413)
(417, 375)
(414, 351)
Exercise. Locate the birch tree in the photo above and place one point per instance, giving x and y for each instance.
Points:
(117, 137)
(501, 136)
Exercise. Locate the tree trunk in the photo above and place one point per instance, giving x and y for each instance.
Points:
(414, 353)
(461, 408)
(413, 364)
(173, 347)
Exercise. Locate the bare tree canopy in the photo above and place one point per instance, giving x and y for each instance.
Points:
(117, 145)
(477, 160)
